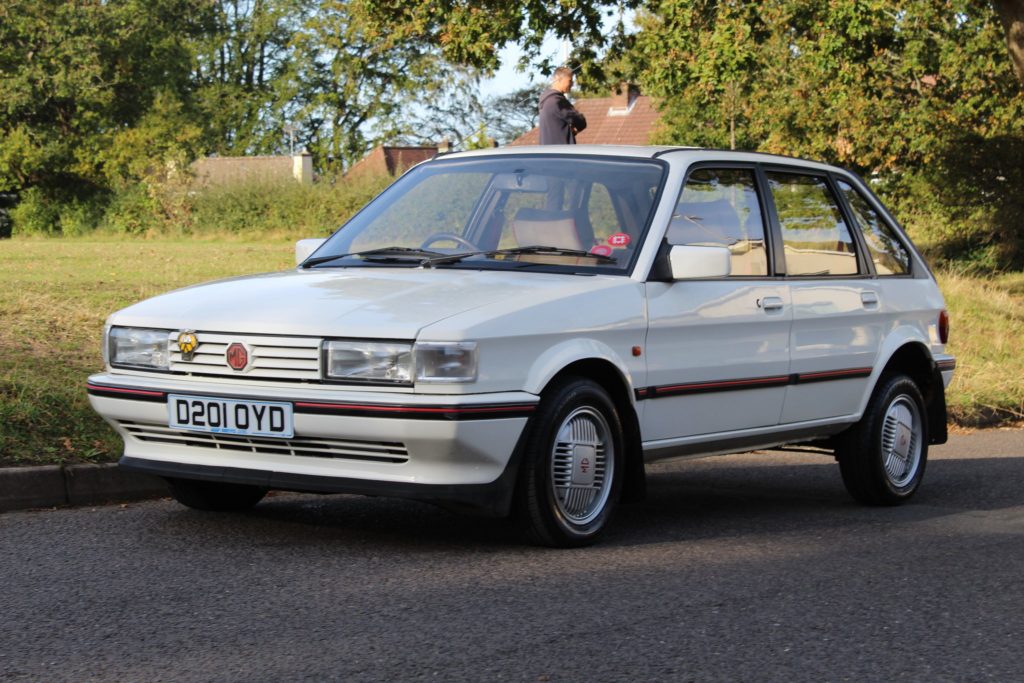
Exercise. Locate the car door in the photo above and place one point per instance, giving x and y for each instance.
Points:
(837, 327)
(718, 349)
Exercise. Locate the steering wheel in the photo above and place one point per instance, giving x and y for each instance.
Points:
(441, 236)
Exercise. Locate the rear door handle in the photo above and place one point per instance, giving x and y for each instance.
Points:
(770, 303)
(869, 299)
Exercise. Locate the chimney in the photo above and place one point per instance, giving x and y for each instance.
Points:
(623, 95)
(444, 146)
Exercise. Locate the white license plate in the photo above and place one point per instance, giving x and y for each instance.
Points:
(226, 416)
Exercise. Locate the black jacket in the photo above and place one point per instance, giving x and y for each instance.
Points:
(559, 122)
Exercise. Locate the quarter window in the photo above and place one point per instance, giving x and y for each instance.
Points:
(815, 238)
(719, 207)
(888, 253)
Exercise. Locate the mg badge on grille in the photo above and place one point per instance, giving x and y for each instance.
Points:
(187, 344)
(237, 356)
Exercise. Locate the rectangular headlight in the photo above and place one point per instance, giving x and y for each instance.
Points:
(438, 362)
(363, 361)
(138, 347)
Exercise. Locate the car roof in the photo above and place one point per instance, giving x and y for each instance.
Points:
(679, 153)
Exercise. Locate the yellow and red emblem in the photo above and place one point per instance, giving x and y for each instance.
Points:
(187, 343)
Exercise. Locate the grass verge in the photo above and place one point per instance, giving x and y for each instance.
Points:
(56, 294)
(54, 298)
(987, 326)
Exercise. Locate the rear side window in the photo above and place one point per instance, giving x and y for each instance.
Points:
(719, 207)
(815, 238)
(888, 253)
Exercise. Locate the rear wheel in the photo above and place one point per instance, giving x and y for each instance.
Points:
(214, 495)
(572, 472)
(882, 458)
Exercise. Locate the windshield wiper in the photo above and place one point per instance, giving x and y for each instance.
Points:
(385, 253)
(513, 251)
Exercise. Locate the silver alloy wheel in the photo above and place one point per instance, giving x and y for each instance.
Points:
(582, 465)
(902, 437)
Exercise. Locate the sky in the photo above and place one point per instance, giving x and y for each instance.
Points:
(508, 78)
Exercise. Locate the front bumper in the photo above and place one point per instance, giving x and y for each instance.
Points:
(454, 448)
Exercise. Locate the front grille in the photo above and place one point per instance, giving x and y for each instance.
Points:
(293, 358)
(307, 447)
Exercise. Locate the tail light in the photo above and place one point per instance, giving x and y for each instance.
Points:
(943, 326)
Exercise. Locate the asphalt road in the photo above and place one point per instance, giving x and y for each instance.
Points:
(744, 568)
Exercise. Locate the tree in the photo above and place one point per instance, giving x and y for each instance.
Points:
(1011, 13)
(918, 94)
(242, 60)
(77, 75)
(874, 84)
(513, 114)
(471, 32)
(348, 90)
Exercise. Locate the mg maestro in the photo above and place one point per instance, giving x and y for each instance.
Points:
(519, 331)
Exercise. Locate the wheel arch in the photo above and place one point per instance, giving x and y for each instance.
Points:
(611, 379)
(914, 359)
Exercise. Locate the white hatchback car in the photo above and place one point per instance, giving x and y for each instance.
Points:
(521, 330)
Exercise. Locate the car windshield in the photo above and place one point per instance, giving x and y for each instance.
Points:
(538, 212)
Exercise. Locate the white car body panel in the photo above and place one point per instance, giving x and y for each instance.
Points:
(715, 332)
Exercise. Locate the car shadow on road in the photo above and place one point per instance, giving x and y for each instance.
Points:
(713, 498)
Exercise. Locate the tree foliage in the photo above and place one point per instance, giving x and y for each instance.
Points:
(96, 96)
(77, 78)
(346, 85)
(471, 32)
(903, 91)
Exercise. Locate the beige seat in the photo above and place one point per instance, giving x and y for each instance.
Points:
(538, 227)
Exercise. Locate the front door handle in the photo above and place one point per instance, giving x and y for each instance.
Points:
(869, 299)
(770, 303)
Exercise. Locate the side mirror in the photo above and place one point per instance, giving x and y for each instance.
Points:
(696, 263)
(303, 248)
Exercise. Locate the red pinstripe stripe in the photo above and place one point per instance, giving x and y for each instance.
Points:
(119, 390)
(417, 409)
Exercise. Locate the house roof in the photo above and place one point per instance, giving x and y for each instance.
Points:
(610, 121)
(392, 160)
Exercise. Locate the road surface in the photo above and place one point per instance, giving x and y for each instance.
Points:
(743, 568)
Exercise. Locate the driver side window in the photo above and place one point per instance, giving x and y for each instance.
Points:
(720, 207)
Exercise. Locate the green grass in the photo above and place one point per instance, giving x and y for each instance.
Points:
(54, 298)
(56, 293)
(987, 327)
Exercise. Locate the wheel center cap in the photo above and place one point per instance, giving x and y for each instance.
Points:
(903, 438)
(584, 460)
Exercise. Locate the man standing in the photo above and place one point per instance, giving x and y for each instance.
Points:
(559, 121)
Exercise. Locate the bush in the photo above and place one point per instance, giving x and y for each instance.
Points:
(132, 211)
(281, 209)
(255, 210)
(965, 209)
(54, 212)
(35, 214)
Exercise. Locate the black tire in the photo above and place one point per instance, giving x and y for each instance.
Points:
(882, 458)
(563, 500)
(215, 496)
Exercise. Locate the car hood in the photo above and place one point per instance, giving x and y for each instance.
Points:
(383, 303)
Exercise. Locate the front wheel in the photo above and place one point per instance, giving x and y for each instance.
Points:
(215, 496)
(882, 458)
(572, 471)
